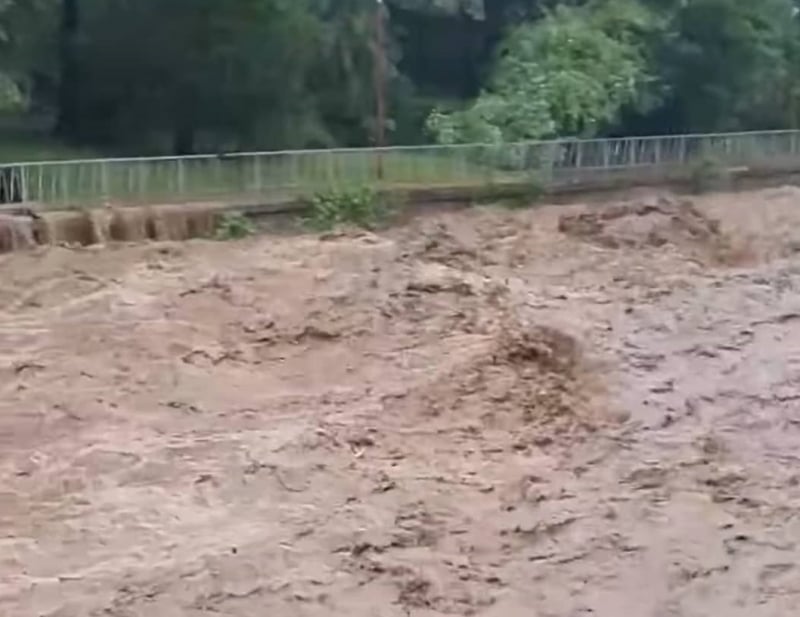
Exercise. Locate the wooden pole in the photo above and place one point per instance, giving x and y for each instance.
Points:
(380, 87)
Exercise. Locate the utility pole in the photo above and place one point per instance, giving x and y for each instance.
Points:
(68, 71)
(379, 62)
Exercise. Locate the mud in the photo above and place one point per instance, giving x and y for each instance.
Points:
(16, 233)
(473, 414)
(639, 223)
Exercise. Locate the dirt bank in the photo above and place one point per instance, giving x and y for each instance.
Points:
(564, 411)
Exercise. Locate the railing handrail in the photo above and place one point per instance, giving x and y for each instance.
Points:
(267, 176)
(390, 149)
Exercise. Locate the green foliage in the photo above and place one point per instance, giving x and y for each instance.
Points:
(706, 174)
(360, 207)
(473, 8)
(589, 74)
(12, 34)
(156, 76)
(728, 63)
(10, 96)
(341, 74)
(234, 226)
(529, 194)
(564, 75)
(516, 112)
(217, 71)
(32, 144)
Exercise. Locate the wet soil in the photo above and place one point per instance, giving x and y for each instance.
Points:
(479, 413)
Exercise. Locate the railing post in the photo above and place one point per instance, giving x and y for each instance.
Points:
(257, 179)
(104, 183)
(40, 184)
(142, 180)
(5, 188)
(294, 170)
(23, 179)
(330, 172)
(63, 183)
(462, 156)
(181, 178)
(54, 184)
(217, 175)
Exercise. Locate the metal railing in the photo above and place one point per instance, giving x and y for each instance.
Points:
(266, 177)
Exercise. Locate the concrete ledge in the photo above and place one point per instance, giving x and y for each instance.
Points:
(190, 220)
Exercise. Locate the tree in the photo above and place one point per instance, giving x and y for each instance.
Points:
(569, 74)
(341, 79)
(187, 75)
(8, 90)
(727, 64)
(227, 72)
(448, 45)
(68, 81)
(473, 8)
(11, 96)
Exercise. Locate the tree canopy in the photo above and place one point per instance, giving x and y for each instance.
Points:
(149, 76)
(570, 73)
(10, 94)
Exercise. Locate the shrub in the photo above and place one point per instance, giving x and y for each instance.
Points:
(360, 207)
(530, 193)
(517, 196)
(234, 226)
(706, 174)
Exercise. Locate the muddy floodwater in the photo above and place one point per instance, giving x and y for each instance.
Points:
(554, 412)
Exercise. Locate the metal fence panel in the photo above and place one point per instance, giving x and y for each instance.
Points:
(264, 177)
